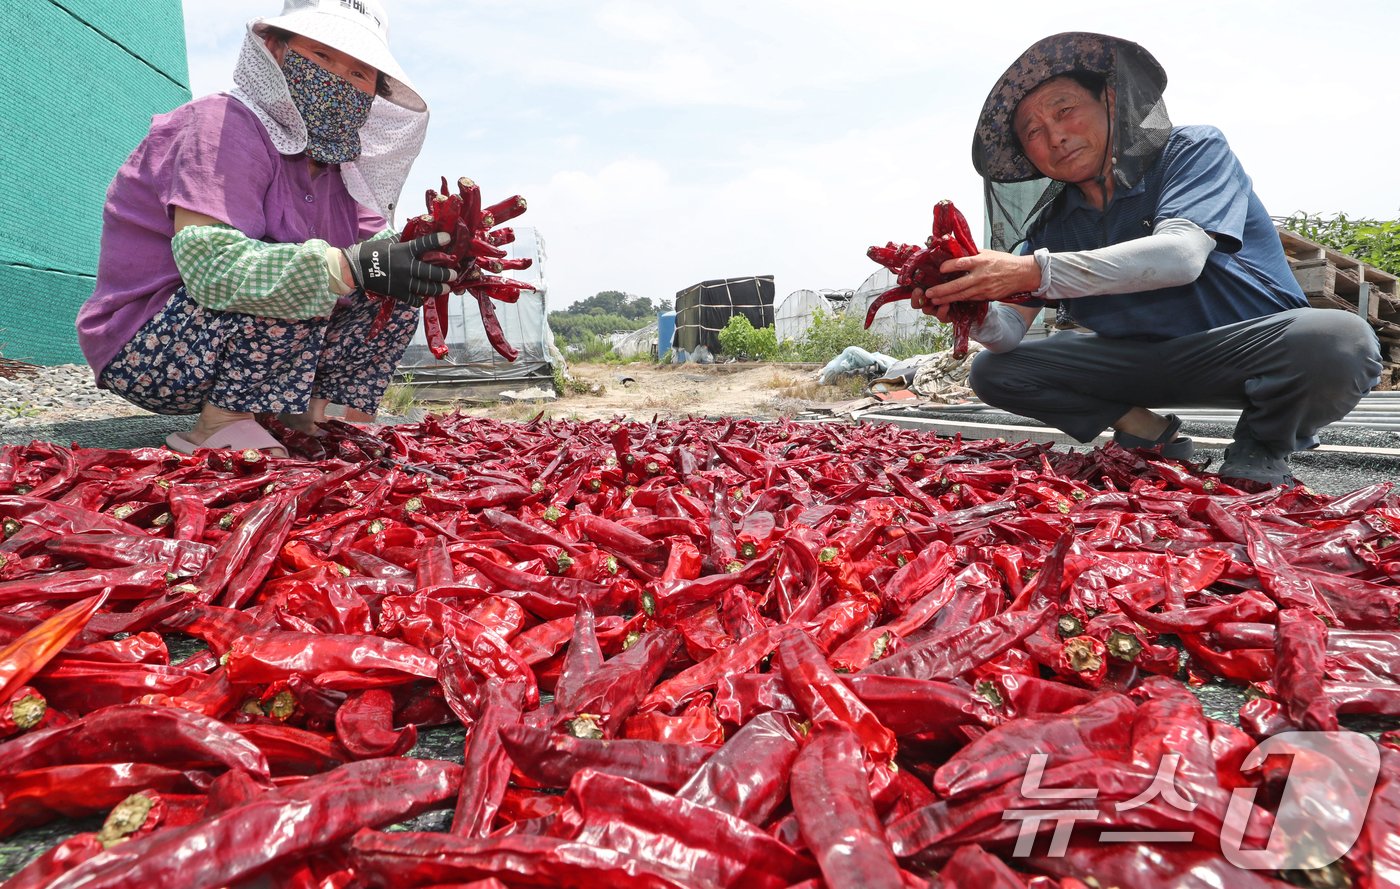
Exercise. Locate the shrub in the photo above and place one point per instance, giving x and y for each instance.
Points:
(591, 347)
(829, 336)
(1373, 241)
(740, 339)
(931, 335)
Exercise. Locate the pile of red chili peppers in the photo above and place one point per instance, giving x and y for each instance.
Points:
(477, 256)
(686, 654)
(921, 267)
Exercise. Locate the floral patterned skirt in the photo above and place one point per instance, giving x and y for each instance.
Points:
(188, 356)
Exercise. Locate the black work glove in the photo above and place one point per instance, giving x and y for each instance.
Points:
(393, 269)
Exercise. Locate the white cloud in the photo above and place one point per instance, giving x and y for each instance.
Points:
(670, 78)
(643, 22)
(805, 214)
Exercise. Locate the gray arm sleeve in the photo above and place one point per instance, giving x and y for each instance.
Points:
(1172, 255)
(1002, 329)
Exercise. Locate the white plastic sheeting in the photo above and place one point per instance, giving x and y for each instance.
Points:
(636, 343)
(525, 324)
(794, 316)
(897, 320)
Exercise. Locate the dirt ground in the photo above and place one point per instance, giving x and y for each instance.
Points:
(593, 391)
(642, 390)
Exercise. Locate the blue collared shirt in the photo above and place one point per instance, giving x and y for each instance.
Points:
(1197, 178)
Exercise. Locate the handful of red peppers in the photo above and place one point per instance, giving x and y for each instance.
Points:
(475, 253)
(685, 653)
(921, 267)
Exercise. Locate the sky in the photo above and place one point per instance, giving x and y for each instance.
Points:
(660, 144)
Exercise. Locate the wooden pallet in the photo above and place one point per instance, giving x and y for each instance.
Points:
(1332, 279)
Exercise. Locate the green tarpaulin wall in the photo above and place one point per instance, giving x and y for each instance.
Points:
(81, 81)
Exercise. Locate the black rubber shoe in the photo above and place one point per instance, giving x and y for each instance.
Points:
(1249, 460)
(1168, 444)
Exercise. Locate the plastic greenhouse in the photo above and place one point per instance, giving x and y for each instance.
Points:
(470, 356)
(795, 313)
(898, 320)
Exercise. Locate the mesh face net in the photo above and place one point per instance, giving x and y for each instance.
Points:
(1016, 194)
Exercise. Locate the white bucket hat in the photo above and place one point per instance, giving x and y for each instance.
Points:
(358, 28)
(398, 120)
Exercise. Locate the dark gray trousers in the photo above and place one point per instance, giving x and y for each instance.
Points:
(1291, 374)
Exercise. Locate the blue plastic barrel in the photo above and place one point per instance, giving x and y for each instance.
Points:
(665, 329)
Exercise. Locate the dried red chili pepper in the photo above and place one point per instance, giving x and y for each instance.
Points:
(1279, 581)
(489, 655)
(581, 660)
(102, 550)
(1375, 851)
(921, 706)
(1081, 657)
(234, 571)
(892, 256)
(1101, 728)
(486, 759)
(1245, 665)
(703, 845)
(1371, 698)
(1156, 864)
(1358, 604)
(57, 861)
(1299, 652)
(742, 656)
(136, 733)
(922, 267)
(552, 758)
(502, 211)
(22, 710)
(24, 657)
(1100, 784)
(831, 798)
(1246, 606)
(696, 724)
(603, 700)
(290, 750)
(883, 640)
(947, 657)
(19, 511)
(364, 726)
(39, 795)
(748, 776)
(337, 661)
(548, 596)
(825, 700)
(314, 814)
(424, 859)
(131, 583)
(972, 865)
(670, 601)
(740, 697)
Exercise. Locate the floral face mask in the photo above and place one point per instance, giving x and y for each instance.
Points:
(333, 109)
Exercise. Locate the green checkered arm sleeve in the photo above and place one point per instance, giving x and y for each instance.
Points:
(225, 270)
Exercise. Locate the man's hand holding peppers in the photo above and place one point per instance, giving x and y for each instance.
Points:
(985, 276)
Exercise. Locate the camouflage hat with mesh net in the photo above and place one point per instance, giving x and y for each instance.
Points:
(996, 154)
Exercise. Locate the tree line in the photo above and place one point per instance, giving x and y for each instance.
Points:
(601, 314)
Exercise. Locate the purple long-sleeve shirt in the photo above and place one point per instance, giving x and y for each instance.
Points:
(209, 156)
